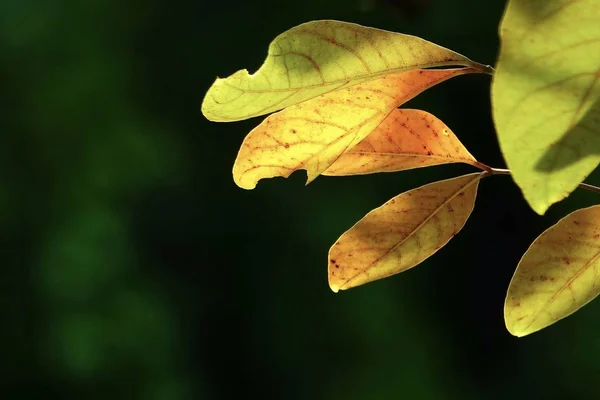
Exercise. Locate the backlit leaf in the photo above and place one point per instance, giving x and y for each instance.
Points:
(406, 139)
(313, 134)
(316, 58)
(402, 233)
(546, 96)
(558, 274)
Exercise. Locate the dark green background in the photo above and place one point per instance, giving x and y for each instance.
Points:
(133, 268)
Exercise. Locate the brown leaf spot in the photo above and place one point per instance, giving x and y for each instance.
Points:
(335, 264)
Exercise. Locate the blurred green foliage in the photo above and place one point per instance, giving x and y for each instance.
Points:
(133, 268)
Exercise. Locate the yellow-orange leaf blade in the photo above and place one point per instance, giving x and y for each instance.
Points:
(313, 134)
(406, 139)
(316, 58)
(402, 233)
(558, 274)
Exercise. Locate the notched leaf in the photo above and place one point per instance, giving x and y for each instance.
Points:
(314, 134)
(557, 275)
(402, 233)
(406, 139)
(319, 57)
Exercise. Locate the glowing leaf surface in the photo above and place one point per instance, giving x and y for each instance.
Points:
(402, 233)
(314, 134)
(406, 139)
(319, 57)
(558, 274)
(546, 96)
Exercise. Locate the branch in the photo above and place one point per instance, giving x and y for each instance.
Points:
(501, 171)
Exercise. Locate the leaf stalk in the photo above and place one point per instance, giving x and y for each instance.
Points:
(489, 171)
(486, 69)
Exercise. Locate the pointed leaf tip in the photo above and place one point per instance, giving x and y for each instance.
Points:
(402, 233)
(557, 275)
(312, 135)
(334, 287)
(406, 139)
(319, 57)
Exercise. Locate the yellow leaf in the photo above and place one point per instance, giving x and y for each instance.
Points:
(313, 134)
(316, 58)
(406, 139)
(402, 233)
(558, 274)
(546, 96)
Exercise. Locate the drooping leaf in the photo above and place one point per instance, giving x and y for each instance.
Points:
(402, 233)
(559, 273)
(406, 139)
(313, 134)
(318, 57)
(546, 95)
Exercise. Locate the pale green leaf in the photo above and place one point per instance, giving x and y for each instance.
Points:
(546, 93)
(558, 274)
(316, 58)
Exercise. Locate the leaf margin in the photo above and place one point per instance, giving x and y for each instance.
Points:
(210, 102)
(510, 305)
(333, 264)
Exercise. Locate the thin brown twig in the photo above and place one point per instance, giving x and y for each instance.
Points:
(489, 171)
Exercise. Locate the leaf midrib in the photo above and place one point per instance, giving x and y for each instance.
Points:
(364, 77)
(476, 177)
(568, 283)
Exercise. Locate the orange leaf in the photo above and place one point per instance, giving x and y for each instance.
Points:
(402, 233)
(406, 139)
(313, 134)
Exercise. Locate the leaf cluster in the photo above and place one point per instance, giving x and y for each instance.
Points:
(333, 91)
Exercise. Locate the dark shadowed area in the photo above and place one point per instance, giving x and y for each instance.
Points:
(133, 268)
